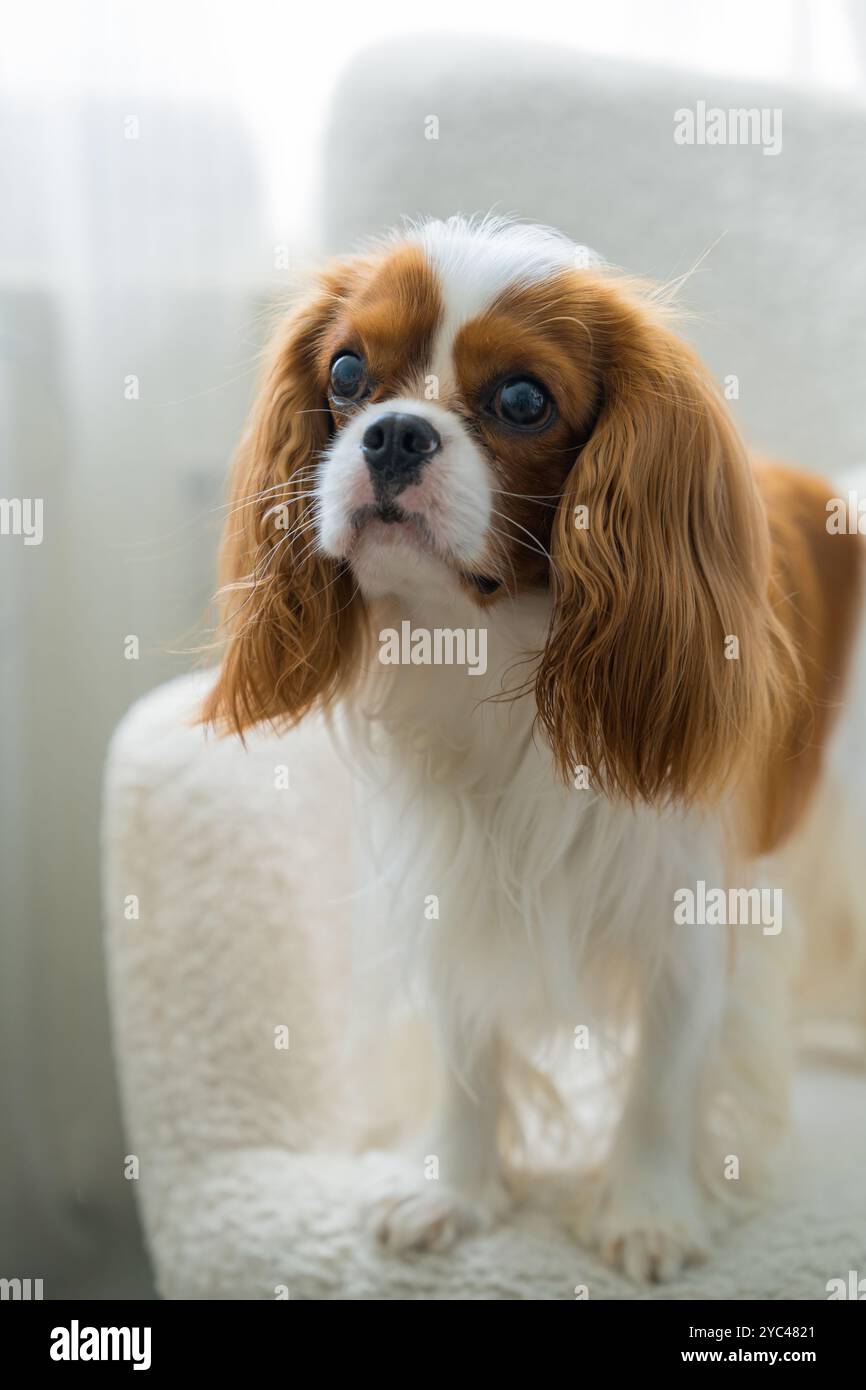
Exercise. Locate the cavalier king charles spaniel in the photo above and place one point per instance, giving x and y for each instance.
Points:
(586, 656)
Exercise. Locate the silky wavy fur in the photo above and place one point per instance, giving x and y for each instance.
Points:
(291, 617)
(634, 682)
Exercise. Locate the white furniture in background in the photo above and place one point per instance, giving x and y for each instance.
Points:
(587, 145)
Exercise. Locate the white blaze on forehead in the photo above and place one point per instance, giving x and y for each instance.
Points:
(475, 261)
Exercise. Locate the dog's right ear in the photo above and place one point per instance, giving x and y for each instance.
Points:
(290, 616)
(636, 682)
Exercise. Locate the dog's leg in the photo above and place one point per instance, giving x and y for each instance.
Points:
(646, 1215)
(458, 1186)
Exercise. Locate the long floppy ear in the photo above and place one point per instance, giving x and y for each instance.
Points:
(663, 664)
(291, 618)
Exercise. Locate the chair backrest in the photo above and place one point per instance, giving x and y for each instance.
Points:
(591, 146)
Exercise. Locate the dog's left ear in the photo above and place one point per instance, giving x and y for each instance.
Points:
(662, 662)
(291, 616)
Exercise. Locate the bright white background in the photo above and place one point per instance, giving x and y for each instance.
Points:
(276, 62)
(152, 258)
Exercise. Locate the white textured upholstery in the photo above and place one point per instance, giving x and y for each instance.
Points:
(247, 1186)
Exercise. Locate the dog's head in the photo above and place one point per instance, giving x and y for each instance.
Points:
(475, 408)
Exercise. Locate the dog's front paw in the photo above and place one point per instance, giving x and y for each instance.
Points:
(650, 1228)
(432, 1216)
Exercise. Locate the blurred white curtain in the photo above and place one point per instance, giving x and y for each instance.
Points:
(130, 273)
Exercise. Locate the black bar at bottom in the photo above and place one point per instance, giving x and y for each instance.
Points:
(161, 1339)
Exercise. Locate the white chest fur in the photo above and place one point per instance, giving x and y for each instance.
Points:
(526, 901)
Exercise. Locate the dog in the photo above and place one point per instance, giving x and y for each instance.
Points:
(476, 427)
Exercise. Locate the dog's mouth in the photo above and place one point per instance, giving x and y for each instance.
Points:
(387, 522)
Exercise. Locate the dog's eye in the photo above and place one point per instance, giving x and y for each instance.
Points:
(522, 403)
(348, 377)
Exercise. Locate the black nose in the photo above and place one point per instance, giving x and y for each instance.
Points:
(396, 448)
